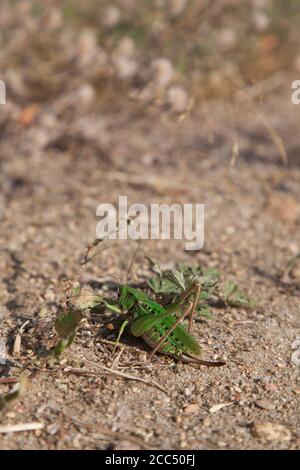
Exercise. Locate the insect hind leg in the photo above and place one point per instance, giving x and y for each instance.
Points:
(167, 334)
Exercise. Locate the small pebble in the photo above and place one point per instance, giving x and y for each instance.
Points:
(178, 99)
(270, 387)
(85, 95)
(163, 72)
(53, 18)
(295, 273)
(221, 444)
(260, 21)
(226, 39)
(265, 405)
(111, 17)
(176, 7)
(192, 408)
(269, 431)
(125, 67)
(237, 396)
(52, 429)
(296, 358)
(126, 47)
(126, 445)
(296, 344)
(86, 46)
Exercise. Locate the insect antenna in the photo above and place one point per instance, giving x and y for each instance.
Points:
(133, 260)
(92, 249)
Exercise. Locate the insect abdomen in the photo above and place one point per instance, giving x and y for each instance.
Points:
(178, 342)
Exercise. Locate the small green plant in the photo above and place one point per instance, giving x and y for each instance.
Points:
(234, 298)
(169, 284)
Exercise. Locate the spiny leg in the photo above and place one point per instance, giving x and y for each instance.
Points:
(195, 303)
(167, 334)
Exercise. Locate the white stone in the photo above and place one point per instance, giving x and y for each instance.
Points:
(178, 99)
(53, 19)
(111, 17)
(226, 39)
(260, 21)
(87, 46)
(86, 94)
(176, 7)
(163, 72)
(125, 66)
(126, 47)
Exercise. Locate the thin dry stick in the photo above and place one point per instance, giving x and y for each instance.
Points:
(113, 372)
(133, 377)
(277, 140)
(91, 251)
(267, 85)
(18, 340)
(21, 427)
(9, 380)
(235, 153)
(133, 260)
(107, 341)
(157, 184)
(117, 358)
(114, 434)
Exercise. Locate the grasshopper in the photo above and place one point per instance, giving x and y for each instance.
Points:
(159, 326)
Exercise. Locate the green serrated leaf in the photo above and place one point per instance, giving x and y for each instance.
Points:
(163, 286)
(67, 323)
(174, 282)
(176, 277)
(154, 265)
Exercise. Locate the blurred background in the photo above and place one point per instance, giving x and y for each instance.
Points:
(147, 98)
(132, 48)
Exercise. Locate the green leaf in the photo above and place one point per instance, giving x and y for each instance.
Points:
(234, 298)
(154, 265)
(112, 305)
(176, 277)
(174, 282)
(66, 326)
(203, 310)
(16, 392)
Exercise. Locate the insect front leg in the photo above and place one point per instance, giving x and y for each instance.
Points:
(197, 288)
